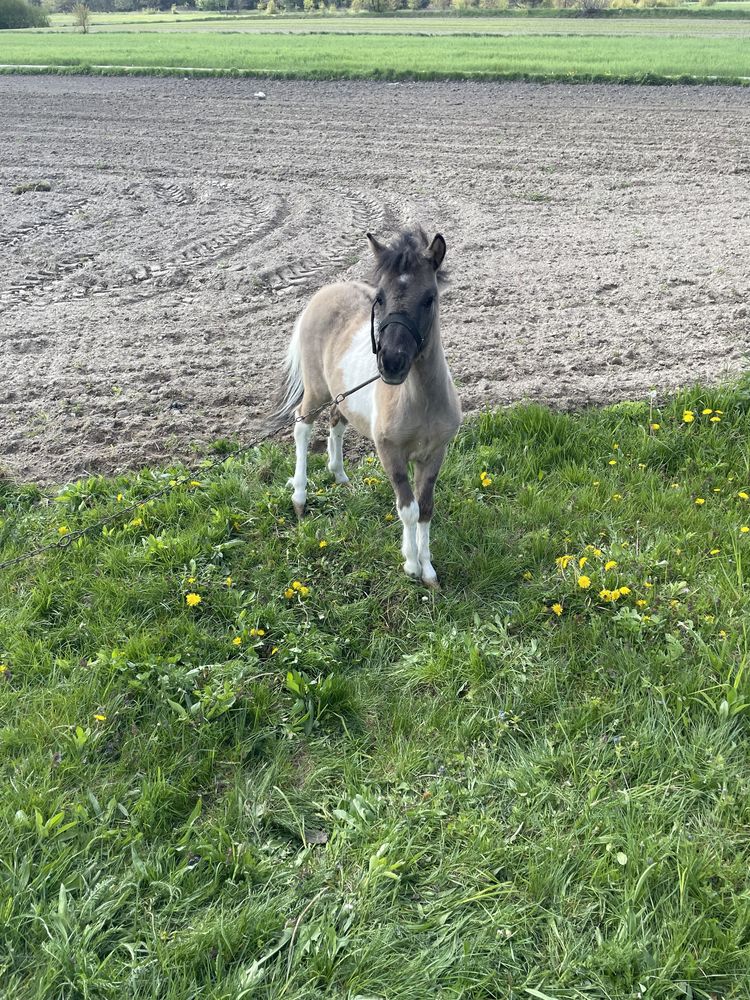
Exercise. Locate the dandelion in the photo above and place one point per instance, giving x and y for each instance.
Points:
(715, 420)
(228, 582)
(624, 591)
(582, 561)
(136, 522)
(528, 575)
(389, 517)
(257, 632)
(562, 561)
(714, 552)
(743, 496)
(707, 412)
(557, 609)
(371, 480)
(3, 668)
(641, 603)
(646, 583)
(237, 641)
(595, 482)
(194, 482)
(709, 619)
(612, 461)
(688, 416)
(193, 600)
(584, 582)
(744, 529)
(722, 634)
(191, 579)
(281, 520)
(699, 501)
(100, 718)
(120, 497)
(598, 553)
(288, 593)
(63, 529)
(485, 479)
(617, 496)
(641, 465)
(655, 427)
(323, 544)
(610, 564)
(274, 650)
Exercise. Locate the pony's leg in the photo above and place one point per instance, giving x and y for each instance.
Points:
(336, 447)
(302, 435)
(425, 476)
(395, 465)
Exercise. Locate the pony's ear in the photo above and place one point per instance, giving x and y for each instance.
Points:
(436, 251)
(375, 245)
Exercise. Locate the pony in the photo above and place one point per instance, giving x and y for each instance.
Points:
(388, 327)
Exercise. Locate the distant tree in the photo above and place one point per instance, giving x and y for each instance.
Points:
(19, 14)
(82, 17)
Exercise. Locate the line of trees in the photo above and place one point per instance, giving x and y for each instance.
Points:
(311, 6)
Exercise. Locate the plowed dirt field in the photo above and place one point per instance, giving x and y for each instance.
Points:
(597, 239)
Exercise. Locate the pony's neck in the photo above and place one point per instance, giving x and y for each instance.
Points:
(429, 371)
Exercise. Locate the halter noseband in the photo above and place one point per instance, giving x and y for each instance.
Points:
(397, 319)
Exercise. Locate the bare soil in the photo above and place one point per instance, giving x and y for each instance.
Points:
(597, 237)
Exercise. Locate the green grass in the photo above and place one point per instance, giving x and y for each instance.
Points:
(392, 57)
(379, 791)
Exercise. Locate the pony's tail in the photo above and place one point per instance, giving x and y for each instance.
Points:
(291, 393)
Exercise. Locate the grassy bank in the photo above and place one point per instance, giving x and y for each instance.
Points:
(245, 757)
(392, 57)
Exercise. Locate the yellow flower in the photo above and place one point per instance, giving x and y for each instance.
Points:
(100, 718)
(194, 482)
(709, 619)
(595, 483)
(715, 420)
(743, 496)
(582, 561)
(371, 480)
(688, 416)
(722, 633)
(304, 591)
(610, 564)
(228, 582)
(257, 632)
(699, 501)
(3, 668)
(612, 461)
(655, 427)
(136, 522)
(237, 641)
(274, 650)
(707, 412)
(647, 584)
(598, 553)
(584, 582)
(562, 561)
(281, 520)
(193, 599)
(120, 497)
(641, 603)
(323, 544)
(714, 552)
(617, 496)
(625, 590)
(485, 479)
(528, 575)
(389, 517)
(191, 579)
(557, 608)
(744, 529)
(63, 529)
(288, 593)
(615, 446)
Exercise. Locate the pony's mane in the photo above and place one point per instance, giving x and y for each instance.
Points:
(404, 255)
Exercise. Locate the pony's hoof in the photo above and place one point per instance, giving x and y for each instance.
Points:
(299, 510)
(413, 570)
(432, 583)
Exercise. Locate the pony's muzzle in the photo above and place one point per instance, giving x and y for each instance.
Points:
(394, 366)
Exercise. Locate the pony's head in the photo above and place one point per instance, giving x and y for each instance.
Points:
(406, 301)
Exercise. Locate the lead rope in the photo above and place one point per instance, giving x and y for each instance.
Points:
(66, 540)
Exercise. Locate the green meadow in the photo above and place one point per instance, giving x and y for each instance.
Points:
(390, 56)
(245, 757)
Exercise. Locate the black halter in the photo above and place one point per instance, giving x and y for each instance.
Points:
(399, 319)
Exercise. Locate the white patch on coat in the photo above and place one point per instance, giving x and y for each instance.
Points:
(425, 556)
(404, 279)
(357, 365)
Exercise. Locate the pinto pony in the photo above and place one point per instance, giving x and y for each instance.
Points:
(352, 331)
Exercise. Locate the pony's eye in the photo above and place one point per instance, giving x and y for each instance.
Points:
(428, 301)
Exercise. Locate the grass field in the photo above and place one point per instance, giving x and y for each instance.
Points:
(391, 57)
(321, 780)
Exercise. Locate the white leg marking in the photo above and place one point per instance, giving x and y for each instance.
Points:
(336, 452)
(425, 558)
(409, 517)
(302, 435)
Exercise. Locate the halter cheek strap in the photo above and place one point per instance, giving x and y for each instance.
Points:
(399, 319)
